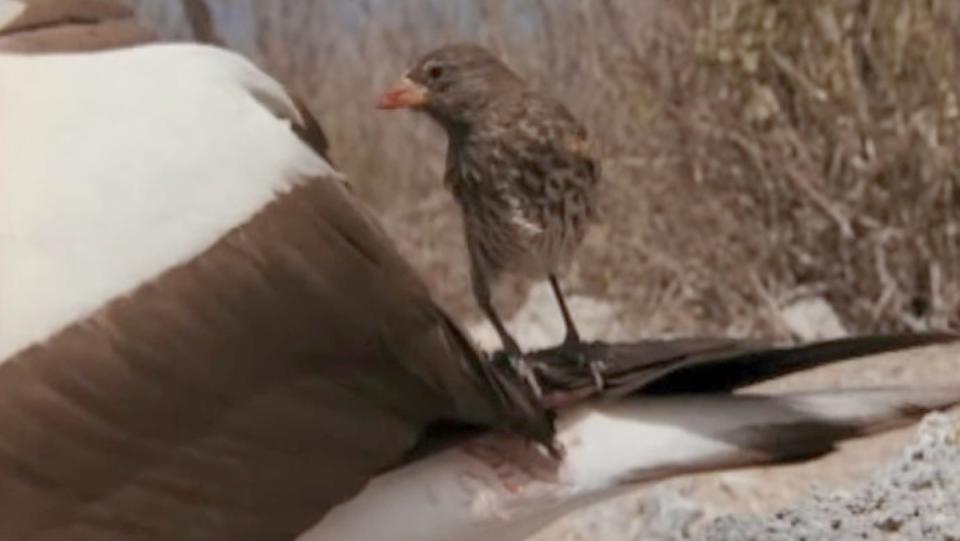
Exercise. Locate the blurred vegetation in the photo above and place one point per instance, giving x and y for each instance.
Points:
(756, 151)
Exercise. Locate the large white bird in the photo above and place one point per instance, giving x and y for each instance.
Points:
(204, 335)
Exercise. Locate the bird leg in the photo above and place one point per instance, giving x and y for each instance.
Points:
(572, 337)
(481, 290)
(572, 343)
(512, 350)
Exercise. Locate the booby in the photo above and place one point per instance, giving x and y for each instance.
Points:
(206, 335)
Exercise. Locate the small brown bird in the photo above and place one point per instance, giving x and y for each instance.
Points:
(519, 165)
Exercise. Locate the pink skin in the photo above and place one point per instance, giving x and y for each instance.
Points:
(516, 462)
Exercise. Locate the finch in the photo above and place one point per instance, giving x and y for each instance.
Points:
(519, 165)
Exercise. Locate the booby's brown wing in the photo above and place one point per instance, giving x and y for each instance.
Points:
(48, 26)
(238, 396)
(239, 392)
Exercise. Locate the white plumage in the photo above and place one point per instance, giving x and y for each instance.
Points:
(199, 140)
(455, 496)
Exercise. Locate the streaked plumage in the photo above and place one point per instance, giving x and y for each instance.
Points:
(518, 163)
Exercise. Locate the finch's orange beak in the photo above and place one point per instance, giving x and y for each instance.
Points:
(405, 95)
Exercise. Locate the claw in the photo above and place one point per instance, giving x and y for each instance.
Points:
(525, 371)
(522, 368)
(573, 351)
(556, 450)
(596, 370)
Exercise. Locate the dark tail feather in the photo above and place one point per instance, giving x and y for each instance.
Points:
(716, 375)
(701, 365)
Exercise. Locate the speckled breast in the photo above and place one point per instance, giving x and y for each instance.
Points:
(511, 229)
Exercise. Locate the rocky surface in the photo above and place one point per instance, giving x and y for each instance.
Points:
(917, 497)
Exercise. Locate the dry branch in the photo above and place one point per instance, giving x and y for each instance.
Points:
(201, 23)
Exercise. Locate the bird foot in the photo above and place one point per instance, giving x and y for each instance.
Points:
(519, 364)
(573, 351)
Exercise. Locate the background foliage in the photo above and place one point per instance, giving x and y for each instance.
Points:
(756, 152)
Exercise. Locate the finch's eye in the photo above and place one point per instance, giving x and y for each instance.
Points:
(435, 72)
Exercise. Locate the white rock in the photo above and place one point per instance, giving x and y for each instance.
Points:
(538, 323)
(813, 319)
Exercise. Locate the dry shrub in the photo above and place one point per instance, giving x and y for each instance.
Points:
(833, 132)
(756, 151)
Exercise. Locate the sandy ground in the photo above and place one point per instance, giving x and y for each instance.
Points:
(696, 500)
